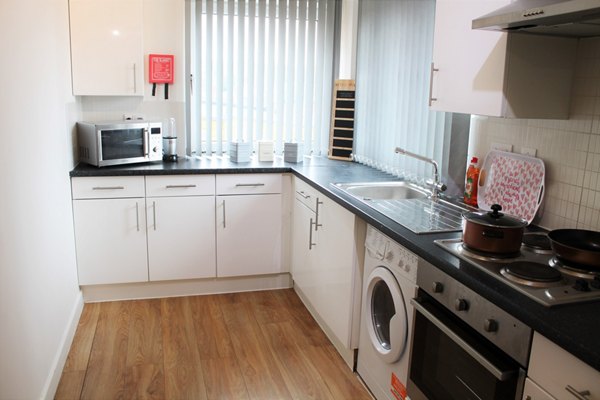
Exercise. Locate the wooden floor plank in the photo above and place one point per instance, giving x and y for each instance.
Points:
(106, 376)
(145, 366)
(261, 375)
(182, 368)
(340, 380)
(71, 382)
(212, 337)
(224, 379)
(259, 345)
(302, 379)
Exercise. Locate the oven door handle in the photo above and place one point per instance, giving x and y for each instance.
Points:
(492, 369)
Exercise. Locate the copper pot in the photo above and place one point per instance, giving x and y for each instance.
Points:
(493, 232)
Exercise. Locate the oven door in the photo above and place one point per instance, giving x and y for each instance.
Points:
(450, 360)
(123, 145)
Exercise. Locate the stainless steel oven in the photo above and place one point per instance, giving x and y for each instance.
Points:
(464, 347)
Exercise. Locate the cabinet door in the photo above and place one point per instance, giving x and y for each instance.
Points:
(111, 240)
(334, 267)
(303, 235)
(107, 54)
(496, 74)
(531, 391)
(181, 237)
(470, 63)
(248, 235)
(560, 373)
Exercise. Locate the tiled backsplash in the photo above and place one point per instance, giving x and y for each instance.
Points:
(570, 148)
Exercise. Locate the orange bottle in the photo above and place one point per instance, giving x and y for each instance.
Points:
(471, 182)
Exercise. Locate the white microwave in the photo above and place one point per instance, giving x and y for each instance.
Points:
(122, 142)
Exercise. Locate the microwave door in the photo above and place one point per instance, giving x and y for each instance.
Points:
(117, 145)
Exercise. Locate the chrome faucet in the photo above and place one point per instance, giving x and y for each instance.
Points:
(436, 185)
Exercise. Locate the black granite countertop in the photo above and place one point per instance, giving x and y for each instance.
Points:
(573, 327)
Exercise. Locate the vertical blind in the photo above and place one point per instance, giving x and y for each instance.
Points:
(395, 45)
(262, 70)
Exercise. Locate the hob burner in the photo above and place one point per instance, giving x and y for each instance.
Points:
(531, 274)
(537, 242)
(573, 269)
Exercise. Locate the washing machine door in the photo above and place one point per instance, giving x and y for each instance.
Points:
(385, 312)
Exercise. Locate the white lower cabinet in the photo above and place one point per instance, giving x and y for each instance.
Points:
(166, 232)
(249, 228)
(181, 227)
(110, 229)
(558, 374)
(111, 240)
(324, 264)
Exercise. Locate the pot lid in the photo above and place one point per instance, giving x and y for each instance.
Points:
(495, 218)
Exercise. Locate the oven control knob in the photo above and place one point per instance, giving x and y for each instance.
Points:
(490, 325)
(437, 287)
(461, 305)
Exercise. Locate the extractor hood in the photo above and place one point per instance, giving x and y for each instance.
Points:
(574, 18)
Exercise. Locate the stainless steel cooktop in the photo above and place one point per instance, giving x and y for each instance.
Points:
(534, 272)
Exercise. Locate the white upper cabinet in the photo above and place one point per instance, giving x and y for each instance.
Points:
(494, 73)
(107, 53)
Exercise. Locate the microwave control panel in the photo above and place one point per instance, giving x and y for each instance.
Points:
(155, 145)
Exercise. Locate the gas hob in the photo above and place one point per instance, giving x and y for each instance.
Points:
(534, 271)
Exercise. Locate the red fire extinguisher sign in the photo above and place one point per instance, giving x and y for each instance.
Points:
(161, 68)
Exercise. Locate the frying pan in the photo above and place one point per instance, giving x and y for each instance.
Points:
(577, 246)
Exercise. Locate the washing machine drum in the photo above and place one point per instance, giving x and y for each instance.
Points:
(386, 319)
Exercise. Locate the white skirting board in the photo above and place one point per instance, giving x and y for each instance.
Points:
(63, 351)
(150, 290)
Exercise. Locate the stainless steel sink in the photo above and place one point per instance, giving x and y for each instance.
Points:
(394, 190)
(408, 204)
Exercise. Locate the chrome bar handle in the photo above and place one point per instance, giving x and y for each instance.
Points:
(310, 238)
(134, 79)
(154, 213)
(304, 195)
(224, 225)
(137, 216)
(249, 184)
(180, 186)
(431, 98)
(146, 142)
(579, 395)
(317, 224)
(484, 362)
(108, 188)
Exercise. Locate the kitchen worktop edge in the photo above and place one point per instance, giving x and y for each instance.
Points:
(573, 327)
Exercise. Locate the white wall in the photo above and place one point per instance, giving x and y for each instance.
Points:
(39, 296)
(570, 148)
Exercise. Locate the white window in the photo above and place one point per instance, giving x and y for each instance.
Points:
(261, 70)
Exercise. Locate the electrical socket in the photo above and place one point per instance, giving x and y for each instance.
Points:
(139, 117)
(501, 146)
(127, 117)
(529, 151)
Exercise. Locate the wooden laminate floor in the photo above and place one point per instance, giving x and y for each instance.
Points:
(254, 345)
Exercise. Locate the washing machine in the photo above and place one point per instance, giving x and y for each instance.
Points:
(387, 315)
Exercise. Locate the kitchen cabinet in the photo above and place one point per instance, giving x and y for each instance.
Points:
(110, 230)
(107, 54)
(559, 373)
(497, 74)
(181, 227)
(531, 391)
(324, 264)
(249, 224)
